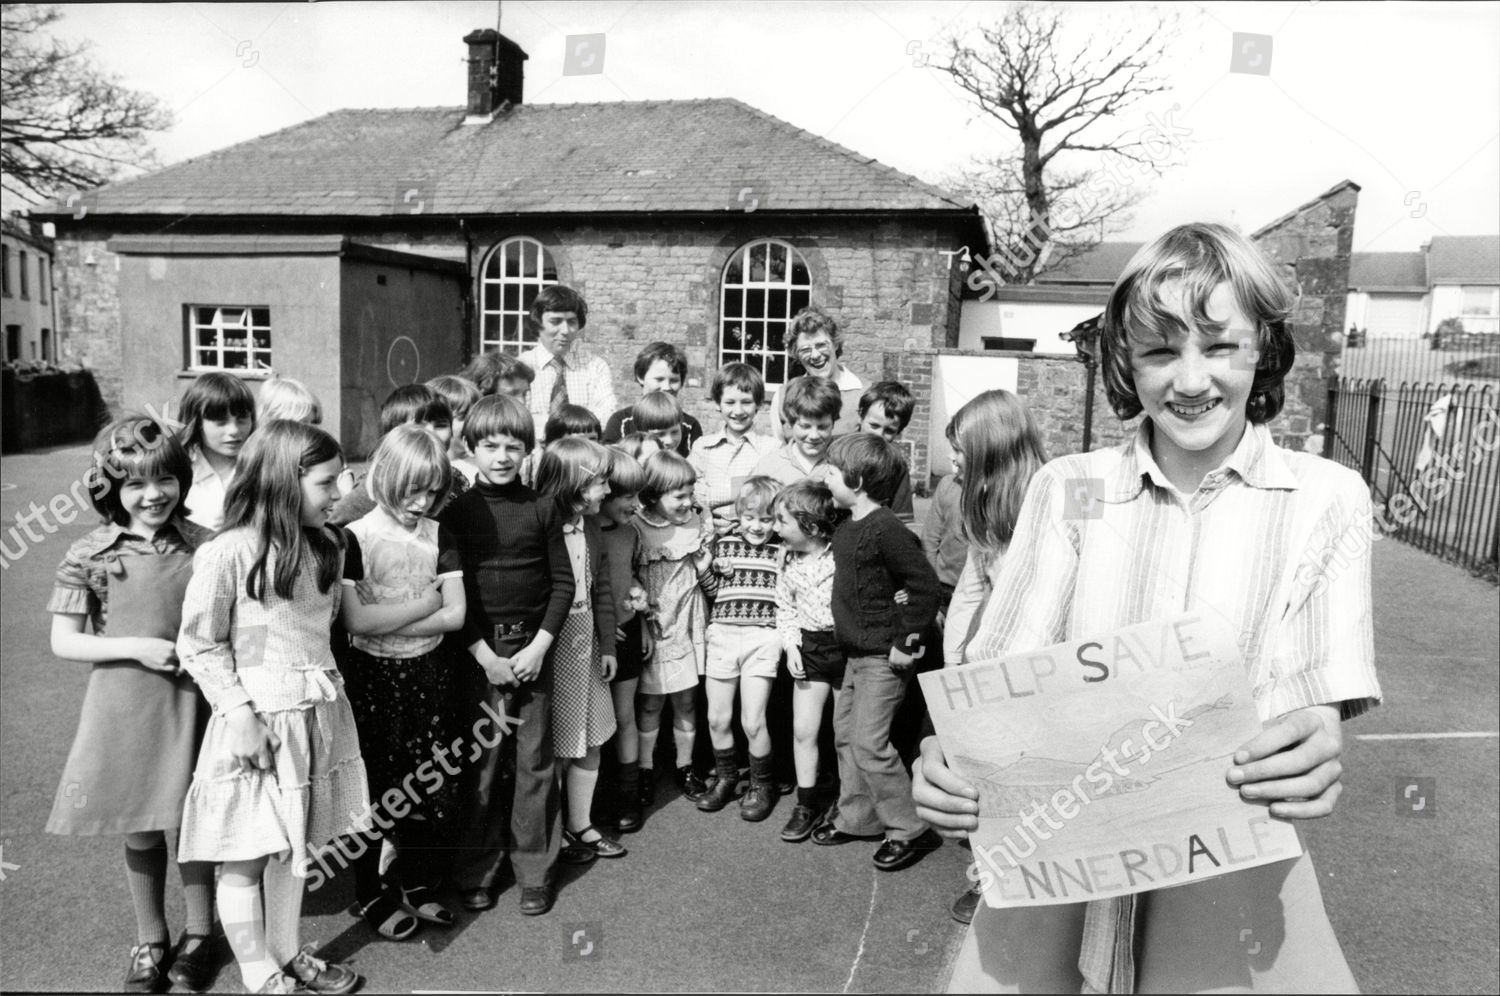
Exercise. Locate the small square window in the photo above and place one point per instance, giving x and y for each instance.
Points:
(229, 337)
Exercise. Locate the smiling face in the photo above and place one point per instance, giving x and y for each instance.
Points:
(226, 436)
(814, 350)
(811, 434)
(1194, 386)
(877, 422)
(559, 330)
(592, 495)
(792, 536)
(619, 508)
(320, 491)
(738, 408)
(676, 506)
(661, 377)
(756, 525)
(149, 502)
(498, 458)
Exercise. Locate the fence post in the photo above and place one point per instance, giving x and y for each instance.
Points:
(1372, 433)
(1331, 426)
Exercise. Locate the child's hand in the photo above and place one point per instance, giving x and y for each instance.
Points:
(158, 655)
(946, 801)
(251, 742)
(431, 597)
(723, 567)
(607, 666)
(794, 663)
(527, 664)
(901, 660)
(636, 599)
(496, 668)
(1293, 764)
(648, 641)
(902, 597)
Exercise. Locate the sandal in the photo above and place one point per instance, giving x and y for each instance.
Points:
(604, 847)
(389, 918)
(144, 973)
(422, 901)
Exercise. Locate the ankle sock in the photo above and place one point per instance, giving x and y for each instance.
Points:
(724, 764)
(245, 928)
(762, 770)
(684, 741)
(146, 872)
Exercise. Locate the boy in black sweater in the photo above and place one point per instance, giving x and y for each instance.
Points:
(875, 556)
(519, 584)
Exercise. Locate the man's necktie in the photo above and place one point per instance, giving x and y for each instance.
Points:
(559, 386)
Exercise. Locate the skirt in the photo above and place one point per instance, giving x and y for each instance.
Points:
(403, 707)
(132, 758)
(314, 791)
(583, 711)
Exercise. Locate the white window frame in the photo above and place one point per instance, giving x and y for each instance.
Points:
(731, 320)
(510, 323)
(221, 323)
(1493, 295)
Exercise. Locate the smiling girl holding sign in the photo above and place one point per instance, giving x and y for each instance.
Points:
(1202, 512)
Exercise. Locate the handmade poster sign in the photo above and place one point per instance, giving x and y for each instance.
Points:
(1101, 764)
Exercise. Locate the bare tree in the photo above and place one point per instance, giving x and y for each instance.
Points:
(1054, 198)
(65, 122)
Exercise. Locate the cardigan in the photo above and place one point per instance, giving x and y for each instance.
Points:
(874, 558)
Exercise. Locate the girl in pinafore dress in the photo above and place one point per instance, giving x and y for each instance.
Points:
(574, 472)
(674, 559)
(405, 590)
(280, 771)
(142, 718)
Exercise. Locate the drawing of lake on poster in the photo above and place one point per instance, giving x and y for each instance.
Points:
(1100, 763)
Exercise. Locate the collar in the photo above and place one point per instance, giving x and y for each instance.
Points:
(721, 438)
(1257, 461)
(848, 380)
(111, 533)
(571, 360)
(514, 489)
(202, 469)
(797, 460)
(573, 526)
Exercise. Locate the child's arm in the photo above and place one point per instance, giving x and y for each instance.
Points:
(527, 663)
(604, 602)
(71, 642)
(786, 622)
(936, 525)
(362, 615)
(450, 575)
(901, 554)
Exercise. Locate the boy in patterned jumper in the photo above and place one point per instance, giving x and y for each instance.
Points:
(744, 649)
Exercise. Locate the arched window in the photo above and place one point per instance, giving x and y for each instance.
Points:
(515, 272)
(765, 283)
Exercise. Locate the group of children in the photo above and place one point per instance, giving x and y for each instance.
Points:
(321, 667)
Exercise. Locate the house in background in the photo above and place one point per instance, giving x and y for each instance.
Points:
(1406, 295)
(28, 306)
(706, 223)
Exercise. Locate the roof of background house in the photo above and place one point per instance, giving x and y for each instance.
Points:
(1388, 271)
(634, 156)
(1464, 259)
(1100, 265)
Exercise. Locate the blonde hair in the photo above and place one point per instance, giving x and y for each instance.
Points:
(283, 397)
(409, 459)
(1002, 450)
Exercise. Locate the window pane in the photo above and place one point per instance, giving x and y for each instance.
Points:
(234, 360)
(260, 316)
(755, 304)
(776, 303)
(799, 273)
(262, 339)
(735, 274)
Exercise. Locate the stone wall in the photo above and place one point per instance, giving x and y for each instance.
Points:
(86, 279)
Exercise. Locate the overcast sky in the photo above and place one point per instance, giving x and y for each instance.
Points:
(1402, 98)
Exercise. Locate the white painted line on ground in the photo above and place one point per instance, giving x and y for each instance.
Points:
(869, 915)
(1478, 735)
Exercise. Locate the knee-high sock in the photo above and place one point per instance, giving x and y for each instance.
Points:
(244, 926)
(198, 895)
(283, 910)
(146, 871)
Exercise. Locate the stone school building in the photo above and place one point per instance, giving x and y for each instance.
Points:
(370, 248)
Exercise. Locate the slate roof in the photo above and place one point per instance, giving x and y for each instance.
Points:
(1464, 259)
(1388, 271)
(1100, 265)
(636, 156)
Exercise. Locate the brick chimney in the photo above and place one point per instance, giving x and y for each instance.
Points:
(496, 74)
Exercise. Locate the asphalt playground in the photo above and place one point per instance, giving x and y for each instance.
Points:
(1408, 862)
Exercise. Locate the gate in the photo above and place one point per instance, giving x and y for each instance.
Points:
(1431, 456)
